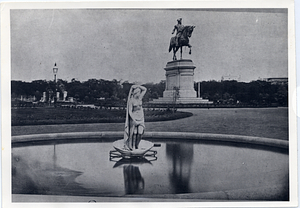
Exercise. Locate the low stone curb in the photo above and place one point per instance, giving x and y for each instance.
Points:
(255, 193)
(154, 135)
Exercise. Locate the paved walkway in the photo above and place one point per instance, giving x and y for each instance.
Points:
(268, 122)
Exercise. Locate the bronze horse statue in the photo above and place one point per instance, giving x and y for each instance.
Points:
(183, 40)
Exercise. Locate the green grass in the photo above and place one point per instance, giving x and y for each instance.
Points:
(46, 116)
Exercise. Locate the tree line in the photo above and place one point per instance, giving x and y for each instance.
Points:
(253, 93)
(100, 90)
(90, 91)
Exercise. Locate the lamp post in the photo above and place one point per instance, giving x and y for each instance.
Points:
(55, 69)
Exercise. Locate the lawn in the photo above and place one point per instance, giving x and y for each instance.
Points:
(259, 122)
(59, 115)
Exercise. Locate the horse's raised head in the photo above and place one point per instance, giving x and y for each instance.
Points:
(190, 30)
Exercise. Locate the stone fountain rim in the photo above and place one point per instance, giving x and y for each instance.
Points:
(176, 136)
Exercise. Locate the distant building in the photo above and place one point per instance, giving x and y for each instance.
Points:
(277, 81)
(230, 78)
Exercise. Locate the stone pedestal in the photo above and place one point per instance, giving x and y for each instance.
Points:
(180, 75)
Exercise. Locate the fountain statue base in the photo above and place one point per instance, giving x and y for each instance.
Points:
(144, 147)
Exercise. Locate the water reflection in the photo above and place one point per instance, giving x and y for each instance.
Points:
(54, 157)
(36, 177)
(181, 156)
(132, 161)
(133, 180)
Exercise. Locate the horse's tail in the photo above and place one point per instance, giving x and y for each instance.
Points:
(172, 42)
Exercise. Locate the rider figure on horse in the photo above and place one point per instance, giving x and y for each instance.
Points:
(179, 27)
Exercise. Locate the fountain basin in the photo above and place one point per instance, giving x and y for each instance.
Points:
(187, 166)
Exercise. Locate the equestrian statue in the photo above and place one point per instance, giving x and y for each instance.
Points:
(181, 39)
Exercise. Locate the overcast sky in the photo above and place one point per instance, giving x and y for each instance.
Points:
(133, 44)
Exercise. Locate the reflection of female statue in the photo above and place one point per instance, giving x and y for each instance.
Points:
(134, 124)
(134, 182)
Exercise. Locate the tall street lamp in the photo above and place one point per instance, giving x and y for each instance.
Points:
(55, 69)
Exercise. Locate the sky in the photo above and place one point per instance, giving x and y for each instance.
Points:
(132, 45)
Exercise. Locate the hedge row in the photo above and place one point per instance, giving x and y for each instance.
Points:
(48, 116)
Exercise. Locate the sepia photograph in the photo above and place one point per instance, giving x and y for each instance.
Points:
(143, 103)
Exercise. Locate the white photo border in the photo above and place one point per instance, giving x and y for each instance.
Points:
(6, 104)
